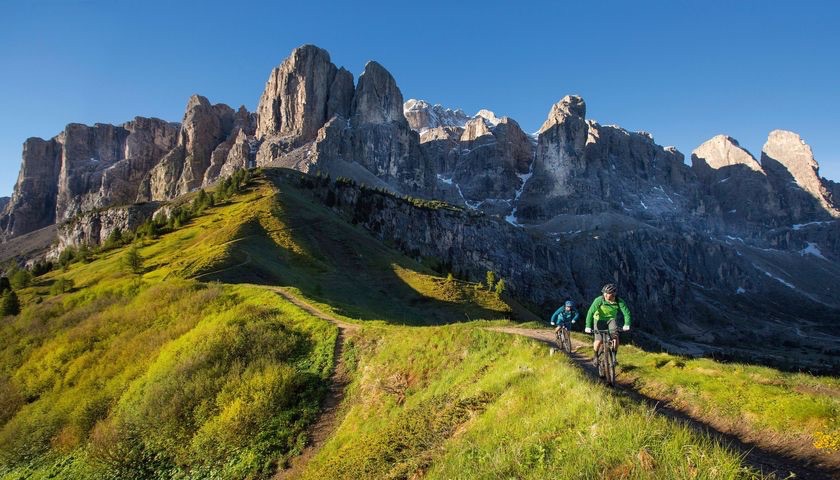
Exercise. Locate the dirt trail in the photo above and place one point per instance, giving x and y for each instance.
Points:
(774, 464)
(327, 422)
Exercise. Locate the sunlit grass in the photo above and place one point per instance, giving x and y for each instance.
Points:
(460, 402)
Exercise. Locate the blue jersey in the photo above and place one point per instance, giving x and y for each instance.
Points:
(561, 316)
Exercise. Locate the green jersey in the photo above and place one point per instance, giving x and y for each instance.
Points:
(604, 311)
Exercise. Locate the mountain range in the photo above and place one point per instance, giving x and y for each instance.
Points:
(732, 256)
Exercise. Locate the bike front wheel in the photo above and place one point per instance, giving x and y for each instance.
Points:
(609, 367)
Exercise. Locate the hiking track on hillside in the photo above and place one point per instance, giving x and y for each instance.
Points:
(765, 458)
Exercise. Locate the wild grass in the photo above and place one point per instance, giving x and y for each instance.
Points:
(159, 375)
(760, 403)
(460, 402)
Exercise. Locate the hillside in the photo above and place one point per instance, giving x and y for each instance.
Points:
(195, 367)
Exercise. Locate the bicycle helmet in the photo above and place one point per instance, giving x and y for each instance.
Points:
(570, 303)
(609, 288)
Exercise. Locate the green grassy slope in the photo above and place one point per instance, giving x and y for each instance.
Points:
(460, 402)
(796, 412)
(185, 370)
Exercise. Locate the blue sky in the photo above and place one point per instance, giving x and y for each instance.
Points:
(682, 70)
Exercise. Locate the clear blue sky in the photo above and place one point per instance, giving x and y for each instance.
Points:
(682, 70)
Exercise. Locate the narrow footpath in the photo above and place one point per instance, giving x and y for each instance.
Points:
(328, 420)
(769, 462)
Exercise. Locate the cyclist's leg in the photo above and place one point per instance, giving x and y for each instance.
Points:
(613, 327)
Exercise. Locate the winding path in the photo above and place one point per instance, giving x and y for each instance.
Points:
(772, 463)
(328, 420)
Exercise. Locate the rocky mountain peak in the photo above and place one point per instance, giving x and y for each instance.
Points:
(475, 128)
(723, 151)
(568, 106)
(300, 95)
(423, 116)
(489, 116)
(790, 159)
(378, 99)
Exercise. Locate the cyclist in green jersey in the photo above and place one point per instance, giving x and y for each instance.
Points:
(604, 312)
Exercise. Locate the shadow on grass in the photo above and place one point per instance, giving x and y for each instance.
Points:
(343, 266)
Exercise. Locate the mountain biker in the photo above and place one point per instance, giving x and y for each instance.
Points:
(565, 315)
(603, 313)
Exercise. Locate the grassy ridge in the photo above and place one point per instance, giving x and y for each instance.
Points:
(292, 241)
(159, 376)
(460, 402)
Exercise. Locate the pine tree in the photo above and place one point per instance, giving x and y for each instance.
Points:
(132, 261)
(10, 304)
(114, 239)
(491, 279)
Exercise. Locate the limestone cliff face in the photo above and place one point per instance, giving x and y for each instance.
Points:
(32, 204)
(423, 116)
(93, 228)
(312, 118)
(582, 167)
(736, 183)
(380, 137)
(208, 140)
(794, 173)
(783, 189)
(82, 169)
(300, 96)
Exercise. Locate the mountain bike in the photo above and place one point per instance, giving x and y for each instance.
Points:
(563, 338)
(606, 356)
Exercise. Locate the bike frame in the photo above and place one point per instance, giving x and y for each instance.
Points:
(564, 338)
(606, 358)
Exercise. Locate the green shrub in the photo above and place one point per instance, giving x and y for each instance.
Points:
(20, 278)
(61, 285)
(500, 287)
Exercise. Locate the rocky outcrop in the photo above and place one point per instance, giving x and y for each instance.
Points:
(32, 204)
(237, 151)
(735, 184)
(4, 202)
(794, 173)
(723, 151)
(582, 167)
(205, 144)
(478, 160)
(93, 228)
(376, 136)
(84, 168)
(301, 95)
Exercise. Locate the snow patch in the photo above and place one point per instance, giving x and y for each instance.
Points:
(643, 204)
(488, 116)
(782, 281)
(740, 291)
(524, 177)
(800, 226)
(812, 249)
